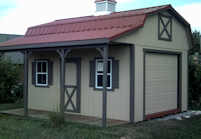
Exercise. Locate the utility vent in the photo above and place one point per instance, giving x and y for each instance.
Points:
(105, 6)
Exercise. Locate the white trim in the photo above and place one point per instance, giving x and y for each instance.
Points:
(41, 73)
(96, 74)
(106, 7)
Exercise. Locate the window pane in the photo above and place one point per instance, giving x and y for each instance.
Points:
(41, 78)
(108, 80)
(44, 67)
(100, 80)
(44, 79)
(108, 66)
(38, 66)
(99, 66)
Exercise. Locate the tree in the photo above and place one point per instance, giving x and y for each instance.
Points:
(9, 77)
(196, 35)
(195, 73)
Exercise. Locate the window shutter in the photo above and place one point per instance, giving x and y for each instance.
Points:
(34, 73)
(50, 72)
(115, 74)
(92, 74)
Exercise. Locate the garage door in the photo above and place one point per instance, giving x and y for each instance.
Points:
(161, 84)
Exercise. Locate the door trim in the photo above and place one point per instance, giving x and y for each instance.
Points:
(77, 61)
(179, 81)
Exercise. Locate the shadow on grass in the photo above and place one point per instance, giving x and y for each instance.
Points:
(14, 127)
(9, 106)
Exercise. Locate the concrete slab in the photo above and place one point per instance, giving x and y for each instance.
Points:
(68, 117)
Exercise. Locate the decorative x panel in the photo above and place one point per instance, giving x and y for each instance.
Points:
(164, 27)
(69, 100)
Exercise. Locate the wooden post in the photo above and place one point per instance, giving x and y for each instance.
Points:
(25, 93)
(62, 53)
(105, 68)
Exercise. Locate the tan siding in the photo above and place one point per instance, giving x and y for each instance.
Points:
(138, 111)
(184, 81)
(117, 104)
(147, 37)
(91, 100)
(43, 98)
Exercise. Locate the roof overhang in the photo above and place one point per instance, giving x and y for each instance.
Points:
(68, 44)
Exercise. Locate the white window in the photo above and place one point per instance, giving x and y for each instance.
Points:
(99, 74)
(42, 73)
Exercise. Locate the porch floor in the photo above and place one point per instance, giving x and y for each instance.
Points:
(68, 117)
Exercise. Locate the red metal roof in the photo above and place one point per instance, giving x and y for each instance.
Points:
(85, 28)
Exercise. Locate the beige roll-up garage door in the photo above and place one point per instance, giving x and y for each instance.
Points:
(161, 83)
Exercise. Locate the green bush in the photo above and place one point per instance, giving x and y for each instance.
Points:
(194, 86)
(10, 89)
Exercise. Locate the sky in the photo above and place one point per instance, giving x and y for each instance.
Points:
(17, 15)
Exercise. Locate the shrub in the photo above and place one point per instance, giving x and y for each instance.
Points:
(194, 85)
(10, 89)
(56, 119)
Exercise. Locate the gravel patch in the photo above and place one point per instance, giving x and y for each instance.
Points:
(180, 116)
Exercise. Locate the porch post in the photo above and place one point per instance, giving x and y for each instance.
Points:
(25, 93)
(132, 82)
(105, 68)
(62, 53)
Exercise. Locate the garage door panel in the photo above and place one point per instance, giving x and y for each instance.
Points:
(161, 78)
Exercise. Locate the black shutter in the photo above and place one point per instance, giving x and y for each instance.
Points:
(50, 72)
(34, 73)
(92, 74)
(115, 74)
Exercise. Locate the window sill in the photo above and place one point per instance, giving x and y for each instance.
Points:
(101, 89)
(42, 86)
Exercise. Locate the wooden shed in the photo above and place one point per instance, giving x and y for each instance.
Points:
(129, 65)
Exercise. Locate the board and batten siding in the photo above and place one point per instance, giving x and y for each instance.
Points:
(147, 38)
(47, 98)
(44, 98)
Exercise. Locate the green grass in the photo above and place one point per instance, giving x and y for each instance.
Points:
(11, 106)
(171, 129)
(13, 127)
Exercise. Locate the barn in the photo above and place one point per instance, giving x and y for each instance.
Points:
(130, 65)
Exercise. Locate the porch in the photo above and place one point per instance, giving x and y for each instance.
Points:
(68, 117)
(62, 91)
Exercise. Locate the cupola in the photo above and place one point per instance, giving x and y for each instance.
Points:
(105, 6)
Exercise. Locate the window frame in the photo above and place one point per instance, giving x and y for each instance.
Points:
(108, 74)
(41, 73)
